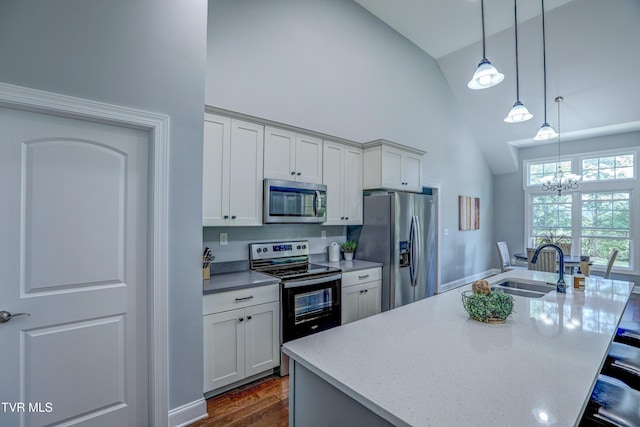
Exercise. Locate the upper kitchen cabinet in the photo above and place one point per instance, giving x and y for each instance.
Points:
(342, 174)
(393, 166)
(292, 156)
(232, 172)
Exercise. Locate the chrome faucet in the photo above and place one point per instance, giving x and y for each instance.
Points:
(560, 286)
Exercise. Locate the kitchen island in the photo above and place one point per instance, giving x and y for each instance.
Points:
(428, 364)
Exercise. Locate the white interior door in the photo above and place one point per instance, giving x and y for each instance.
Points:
(73, 254)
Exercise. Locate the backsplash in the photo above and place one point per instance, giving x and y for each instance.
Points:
(238, 238)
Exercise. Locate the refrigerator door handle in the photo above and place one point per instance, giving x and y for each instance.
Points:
(411, 245)
(417, 251)
(414, 266)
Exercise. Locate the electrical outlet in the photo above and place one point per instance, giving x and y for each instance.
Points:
(323, 234)
(223, 239)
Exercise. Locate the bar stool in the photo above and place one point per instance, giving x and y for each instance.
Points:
(628, 333)
(623, 363)
(629, 327)
(612, 403)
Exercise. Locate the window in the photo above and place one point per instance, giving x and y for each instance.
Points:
(608, 167)
(603, 213)
(551, 215)
(539, 171)
(606, 223)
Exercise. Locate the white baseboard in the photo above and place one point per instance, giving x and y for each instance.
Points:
(189, 413)
(466, 280)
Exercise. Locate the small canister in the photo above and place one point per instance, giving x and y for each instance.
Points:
(334, 252)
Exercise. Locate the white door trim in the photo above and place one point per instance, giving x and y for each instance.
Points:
(12, 96)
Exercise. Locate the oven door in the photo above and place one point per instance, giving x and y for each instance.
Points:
(310, 305)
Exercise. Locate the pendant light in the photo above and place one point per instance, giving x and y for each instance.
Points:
(545, 132)
(518, 112)
(560, 180)
(486, 75)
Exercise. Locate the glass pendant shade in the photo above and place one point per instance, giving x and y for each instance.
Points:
(545, 132)
(486, 76)
(518, 113)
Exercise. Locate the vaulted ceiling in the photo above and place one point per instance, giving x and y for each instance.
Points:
(593, 59)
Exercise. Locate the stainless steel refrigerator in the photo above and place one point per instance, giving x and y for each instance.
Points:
(399, 231)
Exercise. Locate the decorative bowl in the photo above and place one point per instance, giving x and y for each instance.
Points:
(494, 307)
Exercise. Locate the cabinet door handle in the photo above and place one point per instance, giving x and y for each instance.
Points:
(233, 217)
(341, 217)
(366, 290)
(293, 173)
(244, 298)
(363, 277)
(241, 319)
(346, 217)
(248, 317)
(299, 174)
(226, 217)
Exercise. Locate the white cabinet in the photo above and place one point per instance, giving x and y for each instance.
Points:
(292, 156)
(242, 341)
(361, 294)
(232, 172)
(393, 166)
(342, 174)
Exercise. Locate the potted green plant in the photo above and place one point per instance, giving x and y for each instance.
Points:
(349, 247)
(487, 305)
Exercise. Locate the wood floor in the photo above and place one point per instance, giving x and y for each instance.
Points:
(262, 403)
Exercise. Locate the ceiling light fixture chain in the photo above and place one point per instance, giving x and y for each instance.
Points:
(560, 181)
(545, 132)
(518, 113)
(486, 75)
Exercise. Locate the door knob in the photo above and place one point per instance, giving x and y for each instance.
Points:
(5, 316)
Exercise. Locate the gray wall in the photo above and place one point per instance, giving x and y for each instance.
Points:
(509, 194)
(143, 54)
(332, 67)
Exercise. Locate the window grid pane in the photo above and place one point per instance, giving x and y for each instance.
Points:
(539, 171)
(608, 167)
(606, 223)
(551, 216)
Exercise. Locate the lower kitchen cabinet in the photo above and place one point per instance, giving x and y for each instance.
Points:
(361, 294)
(240, 343)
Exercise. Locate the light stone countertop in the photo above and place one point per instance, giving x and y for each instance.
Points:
(428, 364)
(239, 280)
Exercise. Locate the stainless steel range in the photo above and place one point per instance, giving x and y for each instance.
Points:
(309, 293)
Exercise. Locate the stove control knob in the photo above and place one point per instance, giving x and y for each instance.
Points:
(304, 246)
(298, 246)
(259, 250)
(264, 249)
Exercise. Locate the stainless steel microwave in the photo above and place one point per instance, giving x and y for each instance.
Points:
(294, 202)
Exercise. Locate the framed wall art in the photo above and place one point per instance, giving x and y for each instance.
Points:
(468, 213)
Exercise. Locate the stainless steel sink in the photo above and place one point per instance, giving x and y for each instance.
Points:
(524, 289)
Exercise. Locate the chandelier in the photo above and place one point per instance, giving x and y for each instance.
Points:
(560, 180)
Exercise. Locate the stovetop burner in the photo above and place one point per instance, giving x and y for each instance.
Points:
(285, 260)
